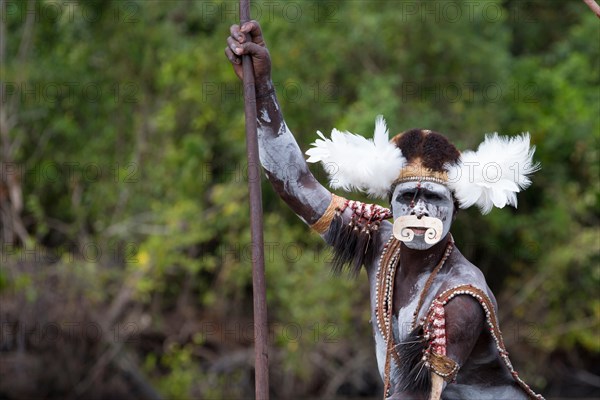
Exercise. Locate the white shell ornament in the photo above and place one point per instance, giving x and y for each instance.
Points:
(402, 229)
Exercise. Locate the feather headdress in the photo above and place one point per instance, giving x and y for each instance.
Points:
(354, 162)
(494, 174)
(488, 177)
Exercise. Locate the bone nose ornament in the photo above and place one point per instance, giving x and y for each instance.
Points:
(403, 232)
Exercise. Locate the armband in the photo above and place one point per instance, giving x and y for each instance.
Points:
(442, 365)
(337, 204)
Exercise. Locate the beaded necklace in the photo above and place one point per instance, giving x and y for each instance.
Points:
(384, 293)
(447, 252)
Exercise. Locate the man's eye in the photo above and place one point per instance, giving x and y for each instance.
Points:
(407, 196)
(432, 196)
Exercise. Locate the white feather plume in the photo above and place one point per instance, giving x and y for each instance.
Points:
(354, 162)
(494, 174)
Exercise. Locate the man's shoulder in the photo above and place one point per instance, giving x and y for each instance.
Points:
(462, 272)
(463, 269)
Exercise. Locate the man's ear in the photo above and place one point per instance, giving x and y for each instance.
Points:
(391, 193)
(455, 212)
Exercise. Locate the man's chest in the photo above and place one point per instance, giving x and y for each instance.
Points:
(409, 299)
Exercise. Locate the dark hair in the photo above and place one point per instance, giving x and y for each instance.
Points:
(432, 148)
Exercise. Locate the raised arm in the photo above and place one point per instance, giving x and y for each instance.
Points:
(280, 155)
(353, 229)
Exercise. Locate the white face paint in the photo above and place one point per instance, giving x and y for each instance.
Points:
(429, 199)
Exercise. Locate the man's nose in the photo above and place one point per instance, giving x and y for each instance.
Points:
(420, 210)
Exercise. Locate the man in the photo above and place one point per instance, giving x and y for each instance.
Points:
(434, 317)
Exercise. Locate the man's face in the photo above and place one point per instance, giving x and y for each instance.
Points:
(422, 200)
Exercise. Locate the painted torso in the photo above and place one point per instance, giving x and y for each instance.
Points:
(483, 376)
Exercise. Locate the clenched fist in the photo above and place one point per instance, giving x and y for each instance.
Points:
(249, 40)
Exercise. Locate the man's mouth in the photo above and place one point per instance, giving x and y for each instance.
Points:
(418, 231)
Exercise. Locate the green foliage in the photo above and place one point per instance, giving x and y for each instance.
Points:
(141, 152)
(183, 371)
(568, 128)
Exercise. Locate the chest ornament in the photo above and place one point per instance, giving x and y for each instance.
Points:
(426, 345)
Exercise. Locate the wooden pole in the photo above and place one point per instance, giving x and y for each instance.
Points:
(593, 6)
(261, 357)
